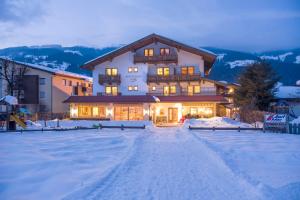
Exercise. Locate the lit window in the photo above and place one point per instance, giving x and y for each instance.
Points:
(111, 71)
(160, 71)
(197, 89)
(173, 89)
(114, 90)
(132, 69)
(187, 70)
(163, 71)
(108, 90)
(148, 52)
(95, 111)
(153, 88)
(191, 70)
(164, 51)
(111, 90)
(194, 111)
(166, 91)
(133, 88)
(190, 90)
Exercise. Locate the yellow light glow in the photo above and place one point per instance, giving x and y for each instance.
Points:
(74, 112)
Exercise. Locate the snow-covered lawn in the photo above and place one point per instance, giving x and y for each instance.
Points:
(155, 163)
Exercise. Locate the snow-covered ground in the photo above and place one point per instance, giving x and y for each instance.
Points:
(153, 163)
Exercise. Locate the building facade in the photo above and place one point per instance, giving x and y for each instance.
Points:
(153, 78)
(43, 89)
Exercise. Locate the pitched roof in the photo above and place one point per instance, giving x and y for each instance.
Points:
(111, 99)
(208, 56)
(48, 69)
(144, 99)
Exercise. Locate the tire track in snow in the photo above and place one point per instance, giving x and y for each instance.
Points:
(96, 188)
(239, 174)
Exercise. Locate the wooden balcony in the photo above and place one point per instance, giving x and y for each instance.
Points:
(172, 58)
(109, 79)
(173, 78)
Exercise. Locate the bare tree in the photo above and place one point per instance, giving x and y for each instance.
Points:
(12, 73)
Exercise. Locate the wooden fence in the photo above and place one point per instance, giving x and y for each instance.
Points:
(225, 128)
(100, 126)
(294, 128)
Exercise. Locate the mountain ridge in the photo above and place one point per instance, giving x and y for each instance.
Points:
(229, 63)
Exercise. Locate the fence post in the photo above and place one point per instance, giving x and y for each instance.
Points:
(298, 129)
(45, 123)
(239, 129)
(100, 125)
(57, 125)
(213, 128)
(122, 127)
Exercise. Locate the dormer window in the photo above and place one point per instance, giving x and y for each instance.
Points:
(148, 52)
(164, 51)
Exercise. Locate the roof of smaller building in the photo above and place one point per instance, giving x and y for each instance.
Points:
(111, 99)
(50, 70)
(144, 99)
(288, 92)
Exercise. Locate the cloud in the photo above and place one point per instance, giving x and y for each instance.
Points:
(20, 11)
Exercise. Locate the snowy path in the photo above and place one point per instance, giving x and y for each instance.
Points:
(170, 164)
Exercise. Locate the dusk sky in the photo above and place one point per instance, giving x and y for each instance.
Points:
(253, 25)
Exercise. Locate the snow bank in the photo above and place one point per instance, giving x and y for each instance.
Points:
(83, 123)
(288, 92)
(215, 122)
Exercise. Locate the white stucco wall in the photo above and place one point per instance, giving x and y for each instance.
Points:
(122, 63)
(188, 59)
(139, 79)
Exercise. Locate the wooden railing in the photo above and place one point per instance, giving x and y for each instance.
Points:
(184, 93)
(173, 78)
(109, 79)
(172, 58)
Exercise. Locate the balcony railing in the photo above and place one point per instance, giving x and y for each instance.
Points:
(203, 93)
(173, 78)
(172, 58)
(109, 79)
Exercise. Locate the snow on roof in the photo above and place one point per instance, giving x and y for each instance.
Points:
(288, 92)
(9, 100)
(51, 70)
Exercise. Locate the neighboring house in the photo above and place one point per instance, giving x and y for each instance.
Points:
(287, 99)
(153, 78)
(44, 89)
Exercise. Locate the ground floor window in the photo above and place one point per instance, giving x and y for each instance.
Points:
(128, 112)
(89, 111)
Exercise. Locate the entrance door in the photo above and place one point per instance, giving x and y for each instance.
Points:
(173, 115)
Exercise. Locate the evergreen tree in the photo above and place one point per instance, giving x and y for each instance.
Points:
(257, 87)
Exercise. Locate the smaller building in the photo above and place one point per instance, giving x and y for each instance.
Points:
(44, 89)
(287, 100)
